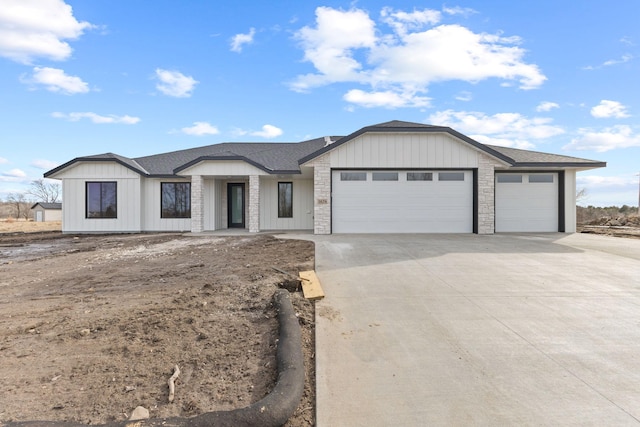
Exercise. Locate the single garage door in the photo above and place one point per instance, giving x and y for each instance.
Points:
(527, 202)
(418, 201)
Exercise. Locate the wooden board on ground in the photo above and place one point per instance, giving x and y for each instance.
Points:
(311, 285)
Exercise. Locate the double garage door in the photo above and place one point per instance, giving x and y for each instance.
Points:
(423, 201)
(527, 202)
(419, 201)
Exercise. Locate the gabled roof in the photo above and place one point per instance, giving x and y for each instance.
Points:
(271, 157)
(55, 206)
(124, 161)
(286, 158)
(400, 126)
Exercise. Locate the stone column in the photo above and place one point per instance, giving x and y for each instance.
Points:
(197, 204)
(321, 195)
(254, 203)
(486, 195)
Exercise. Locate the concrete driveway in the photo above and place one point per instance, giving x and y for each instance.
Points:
(449, 330)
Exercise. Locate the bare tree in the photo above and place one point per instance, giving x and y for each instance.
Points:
(44, 191)
(581, 195)
(19, 204)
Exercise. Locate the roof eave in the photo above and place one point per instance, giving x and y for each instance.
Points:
(54, 171)
(240, 158)
(561, 165)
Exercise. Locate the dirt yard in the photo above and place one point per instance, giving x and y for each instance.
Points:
(92, 326)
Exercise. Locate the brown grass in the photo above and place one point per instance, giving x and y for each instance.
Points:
(12, 225)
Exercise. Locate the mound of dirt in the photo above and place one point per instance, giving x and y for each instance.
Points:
(92, 326)
(617, 221)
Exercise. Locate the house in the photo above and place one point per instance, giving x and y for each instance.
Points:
(47, 212)
(393, 177)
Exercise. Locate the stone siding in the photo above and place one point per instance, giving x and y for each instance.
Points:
(321, 195)
(254, 203)
(486, 194)
(197, 204)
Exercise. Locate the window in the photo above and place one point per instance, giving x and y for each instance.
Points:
(419, 176)
(101, 200)
(510, 178)
(541, 178)
(175, 200)
(353, 176)
(451, 176)
(385, 176)
(285, 200)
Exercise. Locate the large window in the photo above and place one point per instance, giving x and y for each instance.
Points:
(176, 199)
(285, 200)
(102, 200)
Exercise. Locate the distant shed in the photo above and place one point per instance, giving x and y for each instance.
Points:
(47, 212)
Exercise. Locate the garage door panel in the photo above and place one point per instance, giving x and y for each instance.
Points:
(402, 206)
(527, 206)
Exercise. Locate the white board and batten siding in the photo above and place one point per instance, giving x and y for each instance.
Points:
(382, 150)
(527, 202)
(152, 205)
(302, 198)
(223, 168)
(128, 190)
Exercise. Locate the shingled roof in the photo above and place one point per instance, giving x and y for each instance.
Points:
(279, 157)
(527, 158)
(45, 205)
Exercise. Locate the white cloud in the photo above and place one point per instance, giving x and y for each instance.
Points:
(627, 40)
(3, 160)
(96, 118)
(403, 22)
(200, 129)
(605, 181)
(504, 129)
(457, 10)
(464, 96)
(607, 109)
(546, 106)
(38, 28)
(385, 99)
(14, 173)
(620, 136)
(55, 80)
(239, 40)
(43, 164)
(348, 47)
(609, 190)
(268, 132)
(174, 83)
(329, 46)
(624, 58)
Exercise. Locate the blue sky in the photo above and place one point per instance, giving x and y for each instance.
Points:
(137, 77)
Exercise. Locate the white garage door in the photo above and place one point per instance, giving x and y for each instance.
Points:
(402, 201)
(527, 202)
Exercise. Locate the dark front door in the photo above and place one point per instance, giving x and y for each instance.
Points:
(235, 202)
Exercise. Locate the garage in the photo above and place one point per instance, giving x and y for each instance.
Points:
(406, 201)
(527, 202)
